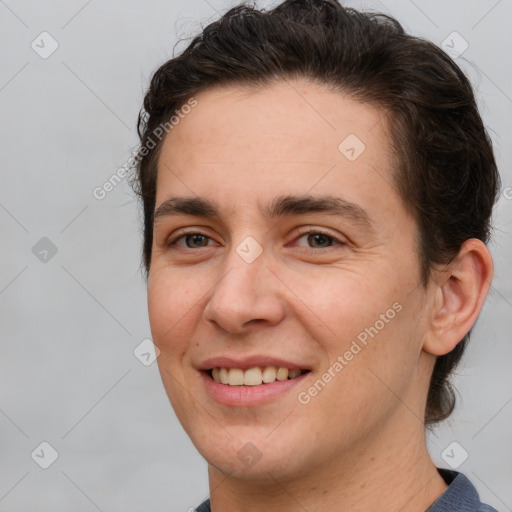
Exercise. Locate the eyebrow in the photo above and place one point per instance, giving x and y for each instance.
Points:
(280, 207)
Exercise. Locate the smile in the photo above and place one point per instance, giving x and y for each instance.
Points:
(255, 376)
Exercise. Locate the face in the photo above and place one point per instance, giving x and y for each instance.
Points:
(282, 247)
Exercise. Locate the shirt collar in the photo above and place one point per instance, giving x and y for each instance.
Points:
(460, 495)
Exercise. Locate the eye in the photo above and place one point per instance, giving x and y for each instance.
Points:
(315, 238)
(191, 240)
(319, 239)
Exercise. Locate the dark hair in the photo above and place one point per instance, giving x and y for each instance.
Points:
(445, 168)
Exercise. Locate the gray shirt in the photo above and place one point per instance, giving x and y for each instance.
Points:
(461, 496)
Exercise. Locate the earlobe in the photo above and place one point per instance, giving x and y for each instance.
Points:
(460, 293)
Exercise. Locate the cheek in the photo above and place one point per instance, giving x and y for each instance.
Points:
(378, 372)
(342, 303)
(371, 330)
(171, 300)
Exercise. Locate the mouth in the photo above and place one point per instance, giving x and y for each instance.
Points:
(251, 380)
(256, 376)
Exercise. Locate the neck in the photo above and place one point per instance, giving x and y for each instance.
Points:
(385, 473)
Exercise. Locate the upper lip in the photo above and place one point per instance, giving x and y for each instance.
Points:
(249, 362)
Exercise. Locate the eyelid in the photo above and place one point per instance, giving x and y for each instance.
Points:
(303, 231)
(321, 231)
(182, 233)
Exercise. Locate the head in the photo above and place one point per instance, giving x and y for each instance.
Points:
(314, 99)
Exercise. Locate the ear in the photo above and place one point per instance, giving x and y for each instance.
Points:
(459, 292)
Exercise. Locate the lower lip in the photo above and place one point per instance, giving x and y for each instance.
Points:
(240, 396)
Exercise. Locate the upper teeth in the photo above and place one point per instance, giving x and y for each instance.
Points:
(253, 376)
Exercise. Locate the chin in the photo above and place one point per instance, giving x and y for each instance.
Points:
(265, 470)
(252, 454)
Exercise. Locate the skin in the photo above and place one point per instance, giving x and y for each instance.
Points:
(359, 444)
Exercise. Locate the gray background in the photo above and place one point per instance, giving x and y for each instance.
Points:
(70, 324)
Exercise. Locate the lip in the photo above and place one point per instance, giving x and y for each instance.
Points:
(249, 362)
(249, 396)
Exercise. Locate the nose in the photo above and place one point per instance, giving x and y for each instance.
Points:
(245, 294)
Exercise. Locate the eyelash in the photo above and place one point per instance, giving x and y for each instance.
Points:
(315, 231)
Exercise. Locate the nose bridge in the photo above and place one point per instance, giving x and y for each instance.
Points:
(245, 291)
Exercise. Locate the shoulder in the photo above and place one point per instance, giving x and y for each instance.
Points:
(460, 496)
(205, 507)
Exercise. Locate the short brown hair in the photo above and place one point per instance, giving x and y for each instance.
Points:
(446, 172)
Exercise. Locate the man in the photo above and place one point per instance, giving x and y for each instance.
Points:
(317, 189)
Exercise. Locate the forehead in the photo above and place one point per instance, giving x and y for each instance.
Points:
(292, 136)
(282, 114)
